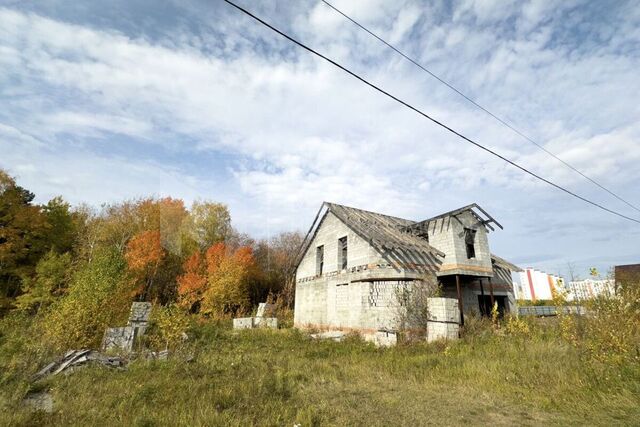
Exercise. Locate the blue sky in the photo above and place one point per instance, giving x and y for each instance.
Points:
(192, 99)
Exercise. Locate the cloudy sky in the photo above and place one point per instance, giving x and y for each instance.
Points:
(101, 102)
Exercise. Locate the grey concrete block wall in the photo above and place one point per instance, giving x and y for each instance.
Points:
(447, 235)
(331, 229)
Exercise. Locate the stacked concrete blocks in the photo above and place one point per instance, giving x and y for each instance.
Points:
(259, 321)
(444, 319)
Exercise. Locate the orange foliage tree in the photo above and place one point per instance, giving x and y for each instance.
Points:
(144, 255)
(192, 283)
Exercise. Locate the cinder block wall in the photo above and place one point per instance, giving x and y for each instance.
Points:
(447, 235)
(329, 231)
(330, 300)
(333, 302)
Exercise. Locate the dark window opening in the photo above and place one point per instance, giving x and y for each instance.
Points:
(469, 240)
(342, 253)
(485, 305)
(319, 260)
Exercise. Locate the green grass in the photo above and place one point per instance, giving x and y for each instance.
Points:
(263, 377)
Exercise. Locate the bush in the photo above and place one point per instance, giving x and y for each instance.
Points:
(99, 297)
(167, 327)
(609, 332)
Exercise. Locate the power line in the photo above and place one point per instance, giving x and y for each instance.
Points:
(497, 118)
(411, 107)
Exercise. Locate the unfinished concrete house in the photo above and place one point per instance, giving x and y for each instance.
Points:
(352, 262)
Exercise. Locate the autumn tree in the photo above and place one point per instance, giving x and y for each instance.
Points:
(144, 255)
(208, 223)
(117, 223)
(23, 237)
(227, 274)
(192, 283)
(99, 296)
(275, 259)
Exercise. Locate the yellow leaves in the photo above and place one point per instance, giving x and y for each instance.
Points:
(98, 297)
(516, 325)
(168, 326)
(227, 291)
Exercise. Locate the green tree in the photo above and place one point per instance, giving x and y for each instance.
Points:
(23, 237)
(99, 296)
(63, 224)
(49, 283)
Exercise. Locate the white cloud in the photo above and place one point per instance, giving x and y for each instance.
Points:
(300, 131)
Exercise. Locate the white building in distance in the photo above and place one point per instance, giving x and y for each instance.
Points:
(537, 285)
(589, 289)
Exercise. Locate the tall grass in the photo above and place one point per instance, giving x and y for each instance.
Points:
(282, 377)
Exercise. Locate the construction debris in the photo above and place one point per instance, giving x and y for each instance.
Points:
(123, 338)
(259, 321)
(330, 335)
(75, 358)
(39, 401)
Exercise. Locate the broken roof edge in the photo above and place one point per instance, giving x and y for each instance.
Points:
(304, 246)
(455, 212)
(367, 211)
(501, 262)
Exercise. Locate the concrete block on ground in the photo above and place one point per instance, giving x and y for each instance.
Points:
(140, 313)
(255, 322)
(243, 323)
(266, 322)
(442, 331)
(382, 338)
(265, 309)
(119, 338)
(332, 335)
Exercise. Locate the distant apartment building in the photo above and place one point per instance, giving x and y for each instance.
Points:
(589, 289)
(537, 285)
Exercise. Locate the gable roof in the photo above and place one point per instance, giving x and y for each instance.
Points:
(384, 233)
(391, 236)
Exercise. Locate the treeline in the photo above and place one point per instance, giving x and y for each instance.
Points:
(78, 268)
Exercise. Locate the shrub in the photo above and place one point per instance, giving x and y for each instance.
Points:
(98, 297)
(167, 327)
(609, 332)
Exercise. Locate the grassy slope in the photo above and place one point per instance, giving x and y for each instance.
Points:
(282, 377)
